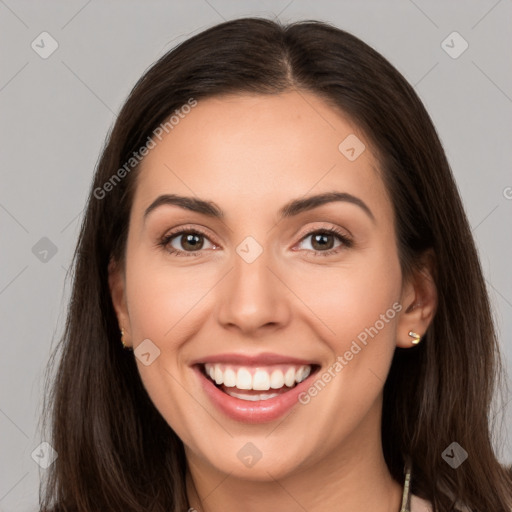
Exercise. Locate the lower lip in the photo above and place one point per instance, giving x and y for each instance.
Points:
(246, 411)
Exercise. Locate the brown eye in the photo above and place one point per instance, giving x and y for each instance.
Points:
(187, 242)
(323, 241)
(191, 241)
(320, 241)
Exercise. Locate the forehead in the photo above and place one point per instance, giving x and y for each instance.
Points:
(238, 150)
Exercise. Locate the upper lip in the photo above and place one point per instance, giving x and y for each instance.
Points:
(265, 358)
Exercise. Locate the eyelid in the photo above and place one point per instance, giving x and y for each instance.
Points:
(185, 228)
(325, 226)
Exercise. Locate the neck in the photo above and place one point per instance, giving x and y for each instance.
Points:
(354, 477)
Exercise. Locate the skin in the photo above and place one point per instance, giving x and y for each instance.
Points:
(251, 154)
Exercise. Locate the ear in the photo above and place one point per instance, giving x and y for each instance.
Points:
(419, 302)
(117, 285)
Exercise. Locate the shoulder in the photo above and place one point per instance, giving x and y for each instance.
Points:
(420, 505)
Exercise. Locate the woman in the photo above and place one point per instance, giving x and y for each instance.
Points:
(275, 238)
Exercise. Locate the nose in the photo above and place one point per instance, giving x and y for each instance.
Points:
(252, 298)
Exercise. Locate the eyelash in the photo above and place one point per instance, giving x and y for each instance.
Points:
(344, 239)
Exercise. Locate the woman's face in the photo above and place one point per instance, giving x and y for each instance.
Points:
(264, 295)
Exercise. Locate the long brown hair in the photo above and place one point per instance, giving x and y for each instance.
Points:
(115, 451)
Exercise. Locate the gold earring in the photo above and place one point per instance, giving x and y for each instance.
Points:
(416, 337)
(122, 341)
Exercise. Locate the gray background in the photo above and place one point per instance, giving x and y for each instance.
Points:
(55, 113)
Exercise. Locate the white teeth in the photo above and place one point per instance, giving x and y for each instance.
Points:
(261, 380)
(243, 379)
(258, 379)
(252, 398)
(289, 377)
(303, 373)
(277, 379)
(219, 377)
(229, 378)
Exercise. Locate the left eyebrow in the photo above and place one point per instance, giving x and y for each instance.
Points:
(308, 203)
(290, 209)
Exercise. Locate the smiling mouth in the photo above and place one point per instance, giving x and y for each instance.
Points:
(255, 383)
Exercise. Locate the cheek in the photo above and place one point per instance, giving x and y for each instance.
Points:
(161, 296)
(165, 307)
(346, 300)
(355, 308)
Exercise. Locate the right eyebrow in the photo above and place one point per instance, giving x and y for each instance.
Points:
(188, 203)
